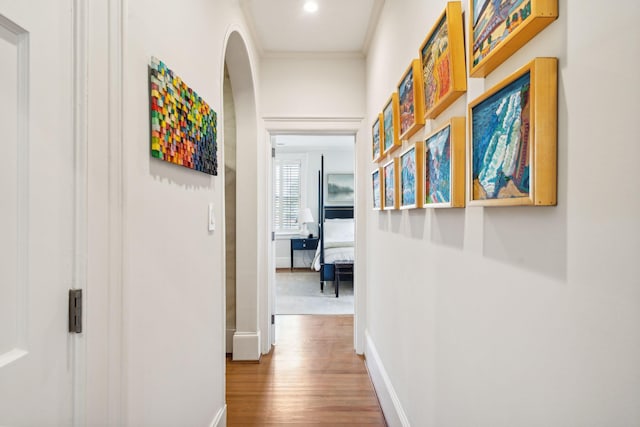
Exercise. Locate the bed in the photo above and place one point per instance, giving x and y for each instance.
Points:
(336, 235)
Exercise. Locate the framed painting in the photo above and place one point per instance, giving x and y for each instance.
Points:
(183, 126)
(498, 28)
(376, 132)
(444, 166)
(390, 125)
(513, 131)
(339, 189)
(390, 185)
(410, 182)
(411, 101)
(442, 60)
(376, 188)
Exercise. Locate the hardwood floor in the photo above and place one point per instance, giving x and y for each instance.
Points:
(312, 378)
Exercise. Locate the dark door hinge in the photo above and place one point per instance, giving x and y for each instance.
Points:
(273, 319)
(75, 311)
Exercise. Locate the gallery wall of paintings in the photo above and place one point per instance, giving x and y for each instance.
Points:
(504, 152)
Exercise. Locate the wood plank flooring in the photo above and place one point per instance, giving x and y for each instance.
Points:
(312, 378)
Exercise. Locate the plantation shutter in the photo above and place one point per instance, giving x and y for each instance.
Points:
(287, 195)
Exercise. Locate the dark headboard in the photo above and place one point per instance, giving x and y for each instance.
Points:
(332, 212)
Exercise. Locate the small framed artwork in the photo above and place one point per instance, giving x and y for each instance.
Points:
(411, 100)
(410, 183)
(513, 131)
(444, 166)
(442, 61)
(390, 185)
(498, 28)
(339, 189)
(377, 189)
(376, 132)
(390, 125)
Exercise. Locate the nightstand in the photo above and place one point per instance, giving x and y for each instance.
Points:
(306, 244)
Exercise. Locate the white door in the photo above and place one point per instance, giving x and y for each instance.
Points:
(36, 212)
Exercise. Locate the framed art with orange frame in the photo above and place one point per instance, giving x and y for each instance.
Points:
(376, 141)
(376, 187)
(513, 137)
(410, 177)
(411, 100)
(498, 28)
(390, 125)
(390, 185)
(444, 166)
(442, 61)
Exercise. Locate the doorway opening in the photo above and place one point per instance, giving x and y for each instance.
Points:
(313, 178)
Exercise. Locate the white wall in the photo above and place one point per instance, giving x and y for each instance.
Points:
(522, 316)
(174, 269)
(335, 160)
(312, 87)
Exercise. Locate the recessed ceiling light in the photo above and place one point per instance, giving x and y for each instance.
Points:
(310, 6)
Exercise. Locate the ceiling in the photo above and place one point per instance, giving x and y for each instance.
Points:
(338, 27)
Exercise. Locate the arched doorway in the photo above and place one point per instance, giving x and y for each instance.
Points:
(242, 202)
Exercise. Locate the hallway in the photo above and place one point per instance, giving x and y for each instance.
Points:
(312, 377)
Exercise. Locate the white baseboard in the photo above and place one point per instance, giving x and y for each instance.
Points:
(220, 420)
(229, 340)
(283, 262)
(246, 346)
(389, 401)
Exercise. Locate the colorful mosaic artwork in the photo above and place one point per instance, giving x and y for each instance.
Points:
(183, 126)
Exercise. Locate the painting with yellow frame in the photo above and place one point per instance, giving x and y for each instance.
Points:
(442, 59)
(513, 137)
(498, 28)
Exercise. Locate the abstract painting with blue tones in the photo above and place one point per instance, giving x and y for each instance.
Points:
(500, 138)
(388, 126)
(389, 186)
(375, 177)
(408, 178)
(438, 167)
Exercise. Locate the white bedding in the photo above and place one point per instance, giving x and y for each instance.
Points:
(338, 244)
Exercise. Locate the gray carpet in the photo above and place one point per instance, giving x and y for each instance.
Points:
(299, 293)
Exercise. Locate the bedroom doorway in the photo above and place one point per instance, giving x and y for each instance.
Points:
(311, 173)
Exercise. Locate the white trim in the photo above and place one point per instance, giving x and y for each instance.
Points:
(116, 392)
(387, 396)
(283, 125)
(220, 420)
(80, 126)
(246, 346)
(11, 356)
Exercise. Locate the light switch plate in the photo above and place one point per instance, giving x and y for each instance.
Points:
(212, 218)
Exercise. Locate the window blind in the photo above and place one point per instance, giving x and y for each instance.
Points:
(287, 195)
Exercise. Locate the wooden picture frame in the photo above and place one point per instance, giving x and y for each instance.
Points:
(411, 101)
(376, 187)
(410, 186)
(442, 62)
(376, 138)
(494, 39)
(443, 166)
(390, 185)
(512, 157)
(390, 124)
